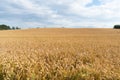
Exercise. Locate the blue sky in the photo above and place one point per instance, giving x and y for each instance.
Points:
(60, 13)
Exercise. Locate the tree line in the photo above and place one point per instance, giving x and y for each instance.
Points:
(116, 26)
(6, 27)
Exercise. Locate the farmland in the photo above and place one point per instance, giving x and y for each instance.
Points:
(60, 54)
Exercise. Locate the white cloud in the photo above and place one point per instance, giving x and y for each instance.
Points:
(63, 12)
(108, 9)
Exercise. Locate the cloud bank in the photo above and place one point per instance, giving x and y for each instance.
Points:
(60, 13)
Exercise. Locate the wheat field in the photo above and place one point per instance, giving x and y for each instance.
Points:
(60, 54)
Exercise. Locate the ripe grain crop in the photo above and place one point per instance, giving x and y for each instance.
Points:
(60, 54)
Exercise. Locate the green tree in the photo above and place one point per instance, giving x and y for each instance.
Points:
(13, 28)
(116, 26)
(4, 27)
(17, 28)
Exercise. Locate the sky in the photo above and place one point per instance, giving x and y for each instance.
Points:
(60, 13)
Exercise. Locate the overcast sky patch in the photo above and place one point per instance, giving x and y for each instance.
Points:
(60, 13)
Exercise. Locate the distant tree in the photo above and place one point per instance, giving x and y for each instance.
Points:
(13, 28)
(4, 27)
(116, 26)
(17, 28)
(37, 27)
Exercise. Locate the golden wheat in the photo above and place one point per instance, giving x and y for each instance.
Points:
(60, 54)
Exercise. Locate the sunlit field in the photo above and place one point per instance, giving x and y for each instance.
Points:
(60, 54)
